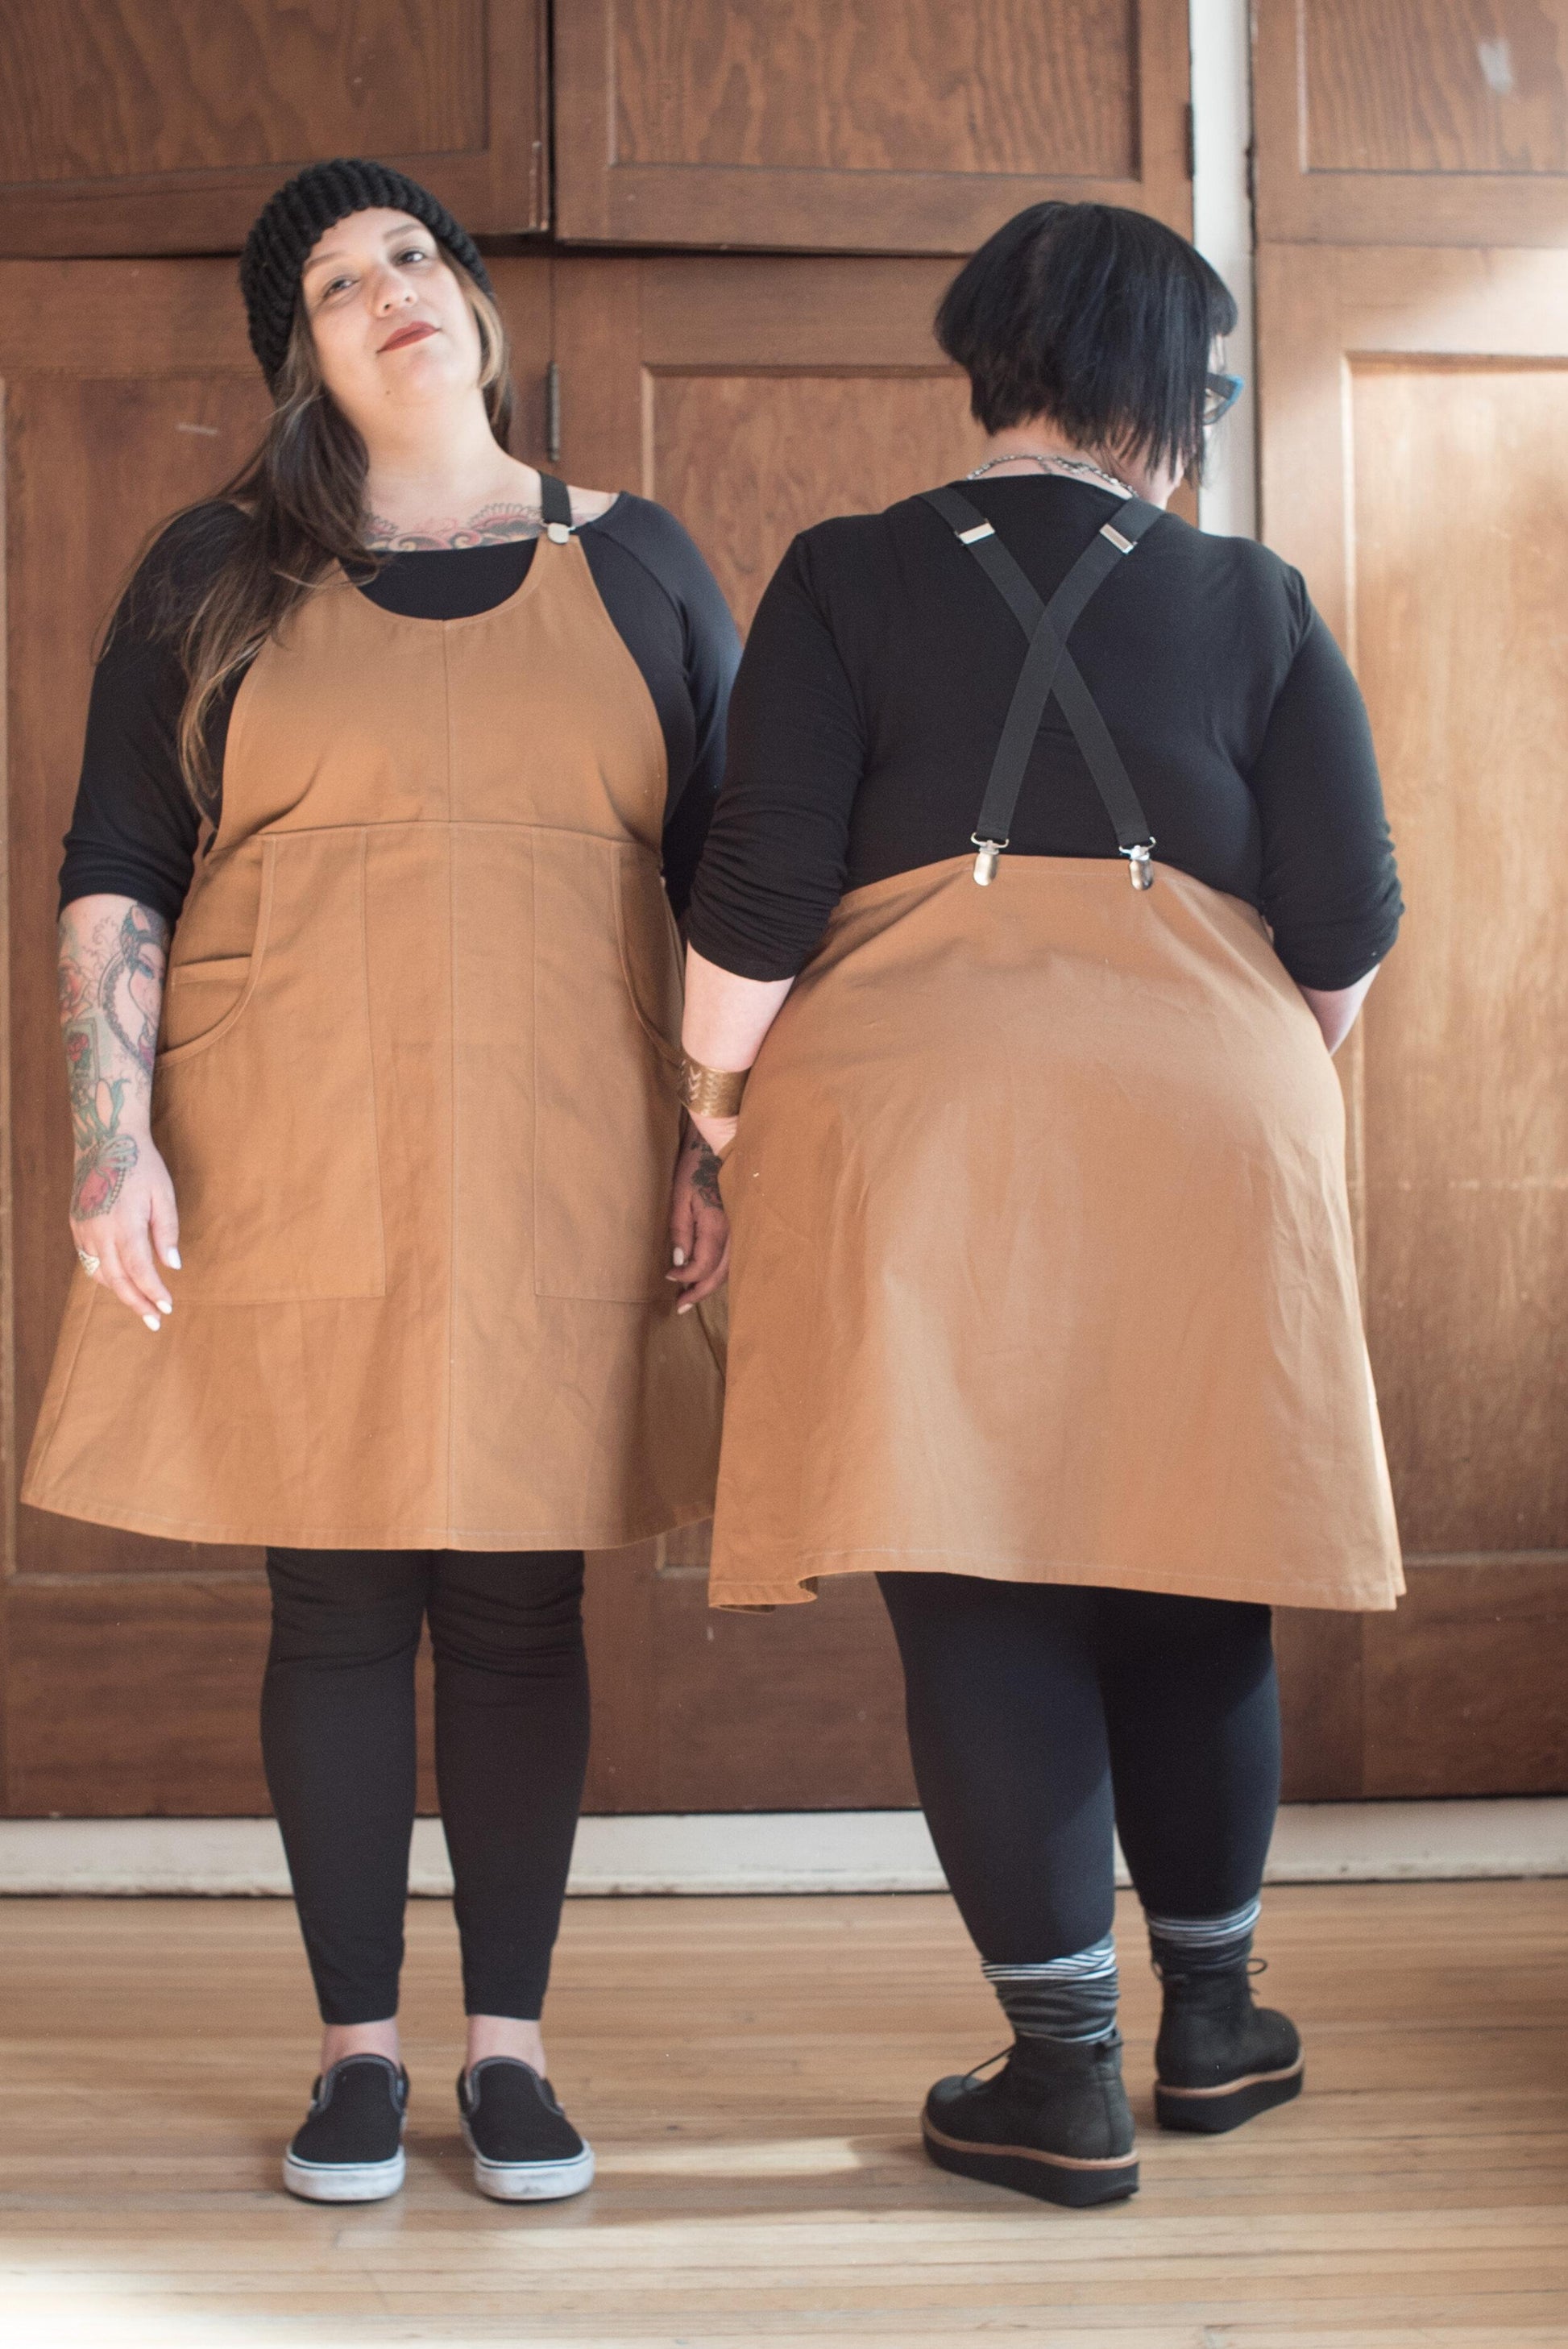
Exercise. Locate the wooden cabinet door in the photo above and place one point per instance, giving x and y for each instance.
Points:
(129, 1668)
(892, 125)
(1412, 121)
(162, 126)
(1414, 407)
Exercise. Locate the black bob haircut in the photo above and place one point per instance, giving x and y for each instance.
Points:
(1099, 317)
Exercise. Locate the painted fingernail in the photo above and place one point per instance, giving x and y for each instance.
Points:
(683, 1309)
(152, 1321)
(166, 1305)
(678, 1256)
(171, 1258)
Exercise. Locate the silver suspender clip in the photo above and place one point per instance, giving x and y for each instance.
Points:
(557, 532)
(1122, 546)
(985, 863)
(1139, 865)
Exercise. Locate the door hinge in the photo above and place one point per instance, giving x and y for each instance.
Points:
(552, 412)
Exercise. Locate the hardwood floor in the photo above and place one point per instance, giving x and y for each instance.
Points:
(749, 2072)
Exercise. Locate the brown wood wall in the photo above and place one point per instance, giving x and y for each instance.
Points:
(1413, 362)
(1414, 205)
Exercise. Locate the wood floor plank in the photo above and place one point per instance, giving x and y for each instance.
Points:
(750, 2071)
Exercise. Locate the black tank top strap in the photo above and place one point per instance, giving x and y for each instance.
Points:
(556, 502)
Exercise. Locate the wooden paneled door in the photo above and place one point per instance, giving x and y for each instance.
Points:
(751, 397)
(161, 126)
(891, 126)
(1433, 122)
(1414, 410)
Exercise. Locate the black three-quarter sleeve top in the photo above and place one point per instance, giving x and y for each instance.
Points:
(135, 831)
(878, 675)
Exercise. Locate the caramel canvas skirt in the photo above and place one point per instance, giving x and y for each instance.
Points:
(1042, 1265)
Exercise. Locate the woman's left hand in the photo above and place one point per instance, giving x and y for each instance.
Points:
(699, 1229)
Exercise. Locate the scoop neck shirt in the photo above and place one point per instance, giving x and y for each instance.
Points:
(134, 830)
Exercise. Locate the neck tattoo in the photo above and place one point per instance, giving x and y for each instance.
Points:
(498, 524)
(1049, 463)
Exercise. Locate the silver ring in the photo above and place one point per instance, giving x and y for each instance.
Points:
(90, 1264)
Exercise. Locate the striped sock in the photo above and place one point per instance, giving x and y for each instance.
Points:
(1071, 1998)
(1200, 1945)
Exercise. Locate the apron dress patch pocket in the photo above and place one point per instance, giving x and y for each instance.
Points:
(267, 1119)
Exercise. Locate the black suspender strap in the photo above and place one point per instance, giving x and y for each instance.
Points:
(555, 505)
(1048, 668)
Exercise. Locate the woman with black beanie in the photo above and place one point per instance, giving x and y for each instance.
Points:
(399, 761)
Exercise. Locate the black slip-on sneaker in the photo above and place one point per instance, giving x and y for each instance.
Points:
(350, 2148)
(1220, 2060)
(1053, 2123)
(524, 2148)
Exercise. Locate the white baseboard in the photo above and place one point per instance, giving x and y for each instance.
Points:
(777, 1851)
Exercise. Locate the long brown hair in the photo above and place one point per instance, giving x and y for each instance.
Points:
(295, 507)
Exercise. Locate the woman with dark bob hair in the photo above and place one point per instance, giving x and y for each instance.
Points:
(1044, 1303)
(399, 758)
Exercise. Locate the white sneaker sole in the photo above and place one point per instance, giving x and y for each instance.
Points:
(340, 2181)
(530, 2181)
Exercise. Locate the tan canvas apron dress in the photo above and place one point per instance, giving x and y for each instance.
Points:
(1042, 1254)
(414, 1092)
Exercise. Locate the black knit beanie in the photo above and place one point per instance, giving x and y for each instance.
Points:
(280, 244)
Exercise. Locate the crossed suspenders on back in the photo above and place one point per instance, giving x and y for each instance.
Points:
(1048, 668)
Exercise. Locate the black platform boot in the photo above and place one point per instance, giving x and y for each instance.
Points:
(1053, 2123)
(1220, 2060)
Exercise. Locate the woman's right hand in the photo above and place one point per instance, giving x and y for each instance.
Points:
(123, 1213)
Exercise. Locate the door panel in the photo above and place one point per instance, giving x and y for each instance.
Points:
(1414, 405)
(697, 1711)
(130, 1665)
(756, 499)
(162, 126)
(1459, 635)
(889, 125)
(1418, 122)
(752, 398)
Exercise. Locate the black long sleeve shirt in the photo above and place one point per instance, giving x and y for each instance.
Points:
(135, 831)
(878, 675)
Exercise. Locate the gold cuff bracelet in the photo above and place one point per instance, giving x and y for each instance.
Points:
(712, 1093)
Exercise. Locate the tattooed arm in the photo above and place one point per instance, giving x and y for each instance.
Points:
(113, 953)
(727, 1019)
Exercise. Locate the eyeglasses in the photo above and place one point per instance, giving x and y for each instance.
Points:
(1221, 394)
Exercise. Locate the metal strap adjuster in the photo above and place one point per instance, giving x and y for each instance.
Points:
(986, 861)
(1138, 866)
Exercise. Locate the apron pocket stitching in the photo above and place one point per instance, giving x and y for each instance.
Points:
(179, 1054)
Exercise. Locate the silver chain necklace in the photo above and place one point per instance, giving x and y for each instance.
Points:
(1049, 464)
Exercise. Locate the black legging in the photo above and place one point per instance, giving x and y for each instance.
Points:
(511, 1746)
(1038, 1712)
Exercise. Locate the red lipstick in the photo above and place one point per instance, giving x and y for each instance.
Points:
(415, 332)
